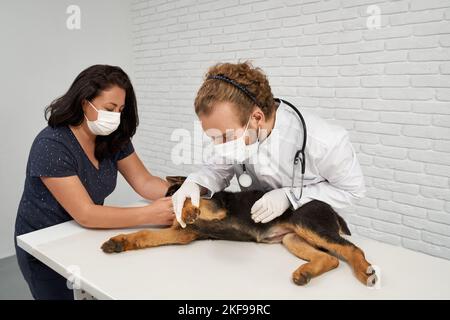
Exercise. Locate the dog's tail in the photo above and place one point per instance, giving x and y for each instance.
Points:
(343, 225)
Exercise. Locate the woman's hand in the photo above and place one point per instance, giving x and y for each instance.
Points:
(161, 211)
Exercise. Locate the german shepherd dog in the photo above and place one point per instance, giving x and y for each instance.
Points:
(312, 232)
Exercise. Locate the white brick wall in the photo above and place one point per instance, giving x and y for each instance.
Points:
(390, 87)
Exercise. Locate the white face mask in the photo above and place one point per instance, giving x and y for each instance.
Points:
(237, 150)
(106, 123)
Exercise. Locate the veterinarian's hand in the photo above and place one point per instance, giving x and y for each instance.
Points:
(162, 211)
(187, 190)
(272, 204)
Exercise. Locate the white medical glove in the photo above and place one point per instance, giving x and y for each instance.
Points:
(271, 205)
(187, 190)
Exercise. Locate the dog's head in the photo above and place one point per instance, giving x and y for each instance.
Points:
(175, 183)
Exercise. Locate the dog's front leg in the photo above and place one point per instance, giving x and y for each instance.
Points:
(148, 238)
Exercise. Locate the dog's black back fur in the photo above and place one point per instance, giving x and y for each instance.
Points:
(238, 225)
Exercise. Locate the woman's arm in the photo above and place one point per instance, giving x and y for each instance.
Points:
(73, 197)
(140, 179)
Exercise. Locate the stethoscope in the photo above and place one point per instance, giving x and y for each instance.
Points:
(245, 180)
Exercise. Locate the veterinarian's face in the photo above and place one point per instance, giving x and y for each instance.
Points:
(223, 124)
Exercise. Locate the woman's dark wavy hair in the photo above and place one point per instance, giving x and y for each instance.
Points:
(67, 110)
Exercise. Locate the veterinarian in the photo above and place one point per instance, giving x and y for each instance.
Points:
(72, 167)
(261, 136)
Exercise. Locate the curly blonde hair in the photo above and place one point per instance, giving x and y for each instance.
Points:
(252, 79)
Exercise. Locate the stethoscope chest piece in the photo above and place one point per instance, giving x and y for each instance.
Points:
(245, 180)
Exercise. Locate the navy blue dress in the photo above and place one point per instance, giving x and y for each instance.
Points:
(56, 152)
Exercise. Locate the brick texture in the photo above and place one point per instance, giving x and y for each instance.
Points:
(389, 87)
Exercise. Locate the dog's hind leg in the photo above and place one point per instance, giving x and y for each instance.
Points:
(148, 238)
(318, 261)
(338, 246)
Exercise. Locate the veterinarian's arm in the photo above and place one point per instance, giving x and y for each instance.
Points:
(73, 197)
(140, 179)
(213, 178)
(344, 178)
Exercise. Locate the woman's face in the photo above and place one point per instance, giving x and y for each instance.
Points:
(112, 99)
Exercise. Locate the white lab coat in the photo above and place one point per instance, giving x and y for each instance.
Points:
(333, 174)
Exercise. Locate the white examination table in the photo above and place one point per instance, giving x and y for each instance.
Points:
(226, 270)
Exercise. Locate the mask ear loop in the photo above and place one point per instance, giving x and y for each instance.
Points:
(257, 134)
(92, 105)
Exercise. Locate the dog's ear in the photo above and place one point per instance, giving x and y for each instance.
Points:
(175, 180)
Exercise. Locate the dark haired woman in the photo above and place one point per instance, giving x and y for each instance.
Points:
(72, 168)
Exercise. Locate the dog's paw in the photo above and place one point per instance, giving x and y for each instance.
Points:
(116, 244)
(190, 214)
(371, 277)
(367, 276)
(301, 277)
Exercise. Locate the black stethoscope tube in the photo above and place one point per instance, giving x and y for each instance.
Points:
(299, 154)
